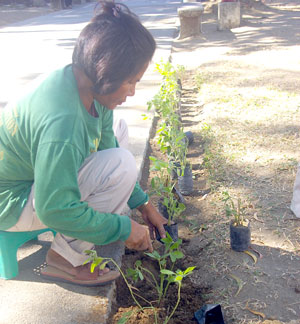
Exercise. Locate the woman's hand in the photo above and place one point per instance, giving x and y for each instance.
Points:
(139, 238)
(153, 219)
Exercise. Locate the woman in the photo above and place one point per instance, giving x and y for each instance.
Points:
(60, 164)
(295, 203)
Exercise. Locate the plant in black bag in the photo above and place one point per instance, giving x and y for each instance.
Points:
(162, 186)
(185, 175)
(240, 234)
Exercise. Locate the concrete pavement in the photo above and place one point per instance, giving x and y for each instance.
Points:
(29, 50)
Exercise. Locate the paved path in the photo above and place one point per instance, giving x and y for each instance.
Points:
(29, 50)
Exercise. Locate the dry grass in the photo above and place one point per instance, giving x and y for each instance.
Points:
(249, 139)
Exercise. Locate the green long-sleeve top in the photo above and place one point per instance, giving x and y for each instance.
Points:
(44, 139)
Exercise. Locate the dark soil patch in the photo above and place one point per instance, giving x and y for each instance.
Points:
(192, 297)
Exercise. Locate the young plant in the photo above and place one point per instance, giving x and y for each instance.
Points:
(163, 186)
(170, 136)
(161, 284)
(167, 133)
(166, 276)
(166, 100)
(96, 261)
(234, 210)
(180, 148)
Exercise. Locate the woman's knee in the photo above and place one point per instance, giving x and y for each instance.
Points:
(127, 164)
(121, 132)
(108, 168)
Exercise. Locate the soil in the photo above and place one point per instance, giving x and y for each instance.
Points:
(241, 101)
(191, 297)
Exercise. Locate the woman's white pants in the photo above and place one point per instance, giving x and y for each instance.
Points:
(106, 181)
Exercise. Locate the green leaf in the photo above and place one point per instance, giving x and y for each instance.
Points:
(174, 255)
(167, 239)
(103, 265)
(178, 278)
(132, 273)
(152, 183)
(181, 206)
(188, 270)
(167, 272)
(140, 275)
(90, 252)
(178, 254)
(163, 262)
(138, 263)
(175, 245)
(99, 260)
(154, 255)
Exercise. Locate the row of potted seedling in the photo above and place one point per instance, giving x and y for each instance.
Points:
(173, 142)
(177, 171)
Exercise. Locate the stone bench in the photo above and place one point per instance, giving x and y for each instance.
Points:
(190, 20)
(229, 15)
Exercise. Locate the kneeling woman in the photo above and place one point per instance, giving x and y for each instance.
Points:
(61, 166)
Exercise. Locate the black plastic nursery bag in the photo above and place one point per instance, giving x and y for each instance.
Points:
(210, 314)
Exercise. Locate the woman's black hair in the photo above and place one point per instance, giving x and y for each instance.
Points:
(113, 47)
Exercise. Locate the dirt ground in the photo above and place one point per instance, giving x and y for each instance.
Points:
(242, 103)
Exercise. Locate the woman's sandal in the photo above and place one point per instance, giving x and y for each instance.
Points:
(59, 269)
(56, 274)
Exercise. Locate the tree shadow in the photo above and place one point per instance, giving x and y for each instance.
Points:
(264, 30)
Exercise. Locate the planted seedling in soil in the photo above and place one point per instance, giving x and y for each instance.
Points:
(166, 275)
(162, 186)
(160, 282)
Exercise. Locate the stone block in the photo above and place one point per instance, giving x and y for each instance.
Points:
(57, 4)
(229, 15)
(39, 3)
(190, 20)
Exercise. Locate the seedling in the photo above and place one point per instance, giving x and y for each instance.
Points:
(166, 100)
(240, 234)
(162, 185)
(166, 276)
(96, 261)
(234, 210)
(161, 284)
(171, 138)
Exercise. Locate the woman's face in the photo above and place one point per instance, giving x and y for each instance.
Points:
(127, 88)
